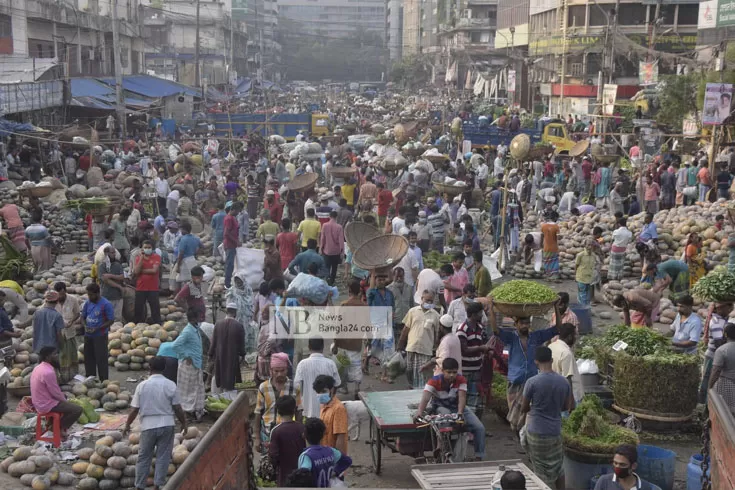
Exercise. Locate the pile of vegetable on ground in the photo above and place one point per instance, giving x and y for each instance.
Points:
(587, 429)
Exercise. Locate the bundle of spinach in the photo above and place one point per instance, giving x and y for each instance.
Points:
(13, 264)
(717, 285)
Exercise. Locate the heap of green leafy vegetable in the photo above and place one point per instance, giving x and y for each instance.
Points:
(717, 285)
(641, 341)
(13, 264)
(588, 430)
(523, 292)
(434, 260)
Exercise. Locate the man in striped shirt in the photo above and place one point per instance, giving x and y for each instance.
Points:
(307, 372)
(473, 343)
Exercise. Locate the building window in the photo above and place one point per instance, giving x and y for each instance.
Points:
(6, 34)
(576, 16)
(688, 14)
(632, 14)
(667, 14)
(598, 17)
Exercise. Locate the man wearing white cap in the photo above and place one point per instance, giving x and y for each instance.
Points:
(409, 263)
(449, 347)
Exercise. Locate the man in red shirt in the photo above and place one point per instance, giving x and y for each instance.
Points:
(147, 280)
(704, 179)
(274, 206)
(286, 243)
(231, 241)
(332, 245)
(84, 161)
(385, 198)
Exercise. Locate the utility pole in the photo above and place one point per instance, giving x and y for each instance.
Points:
(197, 81)
(563, 55)
(612, 47)
(118, 72)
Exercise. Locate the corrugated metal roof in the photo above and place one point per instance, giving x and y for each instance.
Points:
(150, 86)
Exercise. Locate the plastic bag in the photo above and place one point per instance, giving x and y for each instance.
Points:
(587, 366)
(396, 365)
(208, 273)
(309, 287)
(538, 259)
(491, 262)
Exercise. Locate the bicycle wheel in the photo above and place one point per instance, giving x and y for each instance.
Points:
(376, 442)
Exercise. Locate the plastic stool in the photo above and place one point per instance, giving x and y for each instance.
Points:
(56, 425)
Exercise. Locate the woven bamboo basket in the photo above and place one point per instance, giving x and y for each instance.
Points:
(579, 149)
(381, 251)
(519, 146)
(413, 152)
(303, 182)
(357, 233)
(452, 190)
(523, 310)
(392, 165)
(606, 158)
(436, 158)
(342, 172)
(539, 152)
(42, 191)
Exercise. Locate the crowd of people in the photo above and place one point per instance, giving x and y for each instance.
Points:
(444, 323)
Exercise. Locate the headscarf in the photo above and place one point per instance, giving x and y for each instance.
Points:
(242, 296)
(279, 360)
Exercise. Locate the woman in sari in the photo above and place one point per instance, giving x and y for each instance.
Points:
(14, 226)
(242, 295)
(190, 376)
(695, 259)
(69, 306)
(39, 240)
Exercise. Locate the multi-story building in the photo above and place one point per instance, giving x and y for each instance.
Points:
(394, 29)
(46, 39)
(338, 18)
(412, 27)
(512, 38)
(263, 48)
(602, 46)
(170, 42)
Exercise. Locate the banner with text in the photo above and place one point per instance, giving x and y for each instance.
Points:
(609, 94)
(717, 101)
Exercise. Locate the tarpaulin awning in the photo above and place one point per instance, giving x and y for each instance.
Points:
(7, 126)
(94, 94)
(150, 86)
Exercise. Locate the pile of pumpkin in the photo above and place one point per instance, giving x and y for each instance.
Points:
(131, 347)
(673, 226)
(111, 463)
(106, 394)
(24, 361)
(37, 468)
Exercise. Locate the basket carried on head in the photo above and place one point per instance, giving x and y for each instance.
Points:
(380, 252)
(342, 172)
(539, 152)
(303, 182)
(413, 152)
(523, 310)
(580, 148)
(436, 159)
(391, 165)
(451, 190)
(519, 146)
(606, 158)
(357, 233)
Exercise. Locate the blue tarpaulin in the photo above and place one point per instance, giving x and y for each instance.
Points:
(245, 85)
(150, 86)
(7, 127)
(94, 94)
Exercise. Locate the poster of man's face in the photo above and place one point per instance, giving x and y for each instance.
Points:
(717, 103)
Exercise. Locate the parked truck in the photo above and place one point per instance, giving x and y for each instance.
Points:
(286, 125)
(551, 131)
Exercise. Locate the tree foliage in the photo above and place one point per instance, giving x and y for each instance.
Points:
(410, 72)
(677, 97)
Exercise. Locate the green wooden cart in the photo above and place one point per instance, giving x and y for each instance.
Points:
(391, 419)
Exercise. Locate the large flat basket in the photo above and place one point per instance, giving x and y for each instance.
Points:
(523, 310)
(452, 190)
(342, 172)
(303, 182)
(357, 233)
(381, 251)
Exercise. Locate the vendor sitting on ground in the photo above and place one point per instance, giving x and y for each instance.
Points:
(447, 393)
(46, 394)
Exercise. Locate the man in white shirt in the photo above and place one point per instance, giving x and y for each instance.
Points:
(156, 401)
(568, 202)
(172, 203)
(399, 222)
(307, 371)
(428, 280)
(498, 167)
(621, 236)
(482, 173)
(409, 263)
(300, 137)
(458, 308)
(563, 361)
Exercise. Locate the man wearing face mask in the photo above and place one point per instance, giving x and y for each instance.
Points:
(332, 412)
(420, 335)
(97, 316)
(458, 308)
(521, 344)
(147, 283)
(623, 477)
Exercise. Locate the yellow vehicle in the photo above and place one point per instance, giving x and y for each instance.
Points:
(556, 134)
(320, 125)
